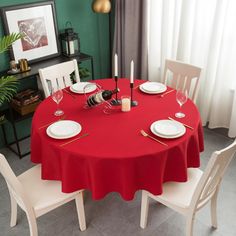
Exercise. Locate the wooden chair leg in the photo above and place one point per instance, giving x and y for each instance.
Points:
(144, 209)
(214, 209)
(80, 211)
(32, 225)
(189, 224)
(13, 211)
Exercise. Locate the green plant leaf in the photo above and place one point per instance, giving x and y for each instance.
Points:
(84, 72)
(8, 87)
(8, 40)
(8, 84)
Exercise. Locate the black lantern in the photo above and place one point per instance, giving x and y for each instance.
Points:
(70, 43)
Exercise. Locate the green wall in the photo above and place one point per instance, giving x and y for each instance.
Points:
(93, 30)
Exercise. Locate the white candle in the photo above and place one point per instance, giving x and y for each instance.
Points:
(125, 103)
(132, 72)
(116, 65)
(71, 47)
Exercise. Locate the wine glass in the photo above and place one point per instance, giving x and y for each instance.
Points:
(181, 98)
(57, 96)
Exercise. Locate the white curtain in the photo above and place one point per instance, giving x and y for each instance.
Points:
(202, 33)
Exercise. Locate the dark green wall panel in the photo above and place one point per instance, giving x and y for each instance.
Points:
(93, 30)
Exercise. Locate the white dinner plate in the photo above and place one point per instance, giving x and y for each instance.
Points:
(168, 128)
(153, 87)
(80, 87)
(63, 129)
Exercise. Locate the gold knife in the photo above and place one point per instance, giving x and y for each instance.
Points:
(170, 91)
(72, 95)
(84, 135)
(43, 126)
(188, 126)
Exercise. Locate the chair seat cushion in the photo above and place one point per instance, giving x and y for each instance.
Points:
(180, 194)
(42, 193)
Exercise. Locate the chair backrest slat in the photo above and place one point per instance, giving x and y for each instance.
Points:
(59, 74)
(183, 76)
(14, 186)
(213, 175)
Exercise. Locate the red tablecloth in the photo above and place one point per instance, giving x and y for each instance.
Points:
(115, 156)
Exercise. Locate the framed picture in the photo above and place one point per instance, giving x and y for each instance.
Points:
(37, 22)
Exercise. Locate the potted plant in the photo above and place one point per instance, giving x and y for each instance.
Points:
(8, 84)
(84, 72)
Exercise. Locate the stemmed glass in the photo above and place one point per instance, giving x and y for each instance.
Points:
(181, 98)
(57, 95)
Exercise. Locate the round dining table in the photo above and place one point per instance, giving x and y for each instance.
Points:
(115, 156)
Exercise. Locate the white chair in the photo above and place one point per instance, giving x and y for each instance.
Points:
(59, 74)
(36, 196)
(181, 75)
(187, 198)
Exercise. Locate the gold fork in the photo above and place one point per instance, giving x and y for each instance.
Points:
(149, 136)
(61, 118)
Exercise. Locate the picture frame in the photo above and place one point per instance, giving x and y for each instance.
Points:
(37, 22)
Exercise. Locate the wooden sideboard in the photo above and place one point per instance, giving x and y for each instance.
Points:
(13, 117)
